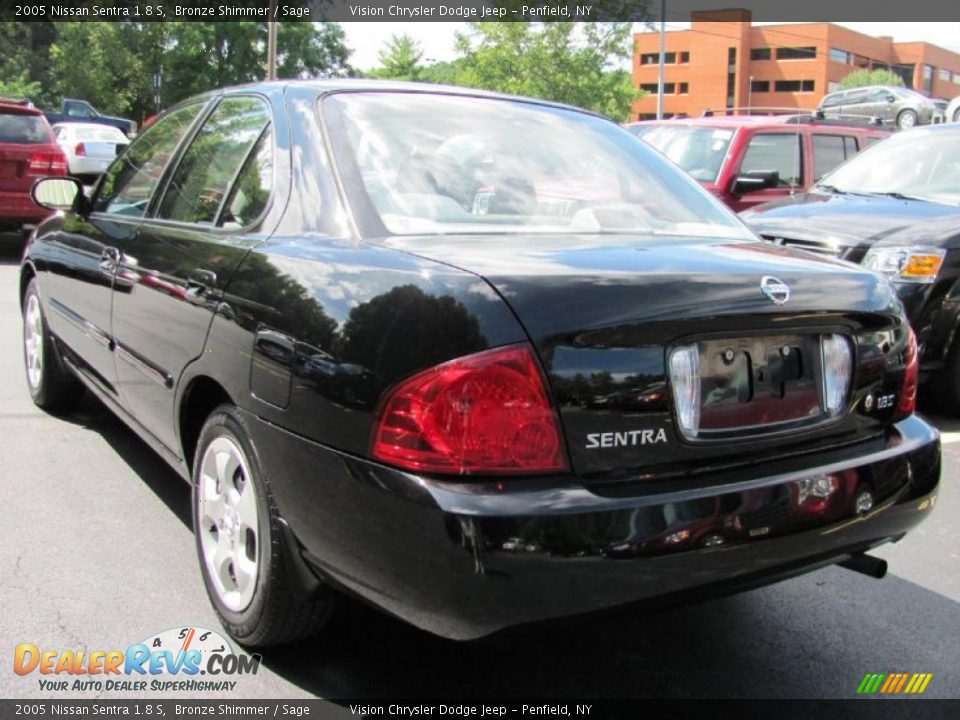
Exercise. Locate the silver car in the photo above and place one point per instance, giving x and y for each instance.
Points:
(894, 106)
(952, 113)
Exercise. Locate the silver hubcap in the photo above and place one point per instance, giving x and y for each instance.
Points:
(907, 121)
(229, 529)
(33, 341)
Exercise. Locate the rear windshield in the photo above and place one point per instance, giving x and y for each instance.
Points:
(698, 150)
(435, 164)
(23, 129)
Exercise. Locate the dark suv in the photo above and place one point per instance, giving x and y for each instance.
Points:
(895, 209)
(747, 160)
(479, 360)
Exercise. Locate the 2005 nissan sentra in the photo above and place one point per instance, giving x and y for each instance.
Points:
(480, 360)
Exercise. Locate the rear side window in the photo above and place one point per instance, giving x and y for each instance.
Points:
(829, 151)
(774, 151)
(23, 129)
(129, 183)
(249, 196)
(214, 160)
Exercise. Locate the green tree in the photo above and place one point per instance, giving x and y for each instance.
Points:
(864, 77)
(400, 59)
(25, 60)
(571, 62)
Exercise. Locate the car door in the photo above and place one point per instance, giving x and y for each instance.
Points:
(766, 151)
(82, 253)
(184, 254)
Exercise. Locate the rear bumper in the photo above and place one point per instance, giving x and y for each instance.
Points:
(19, 207)
(88, 165)
(464, 561)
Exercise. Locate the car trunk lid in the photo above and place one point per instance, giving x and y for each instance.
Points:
(605, 311)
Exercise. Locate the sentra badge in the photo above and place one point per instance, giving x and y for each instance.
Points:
(627, 438)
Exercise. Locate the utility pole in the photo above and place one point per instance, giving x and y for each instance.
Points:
(272, 43)
(663, 57)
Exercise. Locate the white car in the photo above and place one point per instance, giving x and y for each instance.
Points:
(89, 148)
(952, 113)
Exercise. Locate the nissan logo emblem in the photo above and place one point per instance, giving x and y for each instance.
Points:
(775, 289)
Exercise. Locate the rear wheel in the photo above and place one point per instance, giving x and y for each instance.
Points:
(240, 542)
(906, 119)
(51, 386)
(956, 115)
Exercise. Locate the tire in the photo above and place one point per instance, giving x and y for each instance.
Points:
(240, 542)
(956, 115)
(52, 387)
(907, 119)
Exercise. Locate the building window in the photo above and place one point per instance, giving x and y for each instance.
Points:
(956, 78)
(861, 61)
(760, 54)
(794, 86)
(796, 53)
(945, 75)
(668, 88)
(840, 56)
(647, 116)
(928, 79)
(759, 86)
(669, 58)
(731, 76)
(684, 58)
(684, 88)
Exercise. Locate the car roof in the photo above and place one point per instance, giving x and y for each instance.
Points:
(325, 86)
(761, 121)
(86, 126)
(17, 109)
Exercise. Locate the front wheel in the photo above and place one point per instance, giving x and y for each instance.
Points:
(240, 542)
(51, 386)
(906, 119)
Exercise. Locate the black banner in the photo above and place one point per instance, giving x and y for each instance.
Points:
(467, 10)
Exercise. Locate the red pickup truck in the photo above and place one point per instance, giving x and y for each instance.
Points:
(746, 160)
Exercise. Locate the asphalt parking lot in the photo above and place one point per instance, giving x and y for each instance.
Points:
(97, 552)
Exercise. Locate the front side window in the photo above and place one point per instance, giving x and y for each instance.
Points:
(129, 183)
(213, 160)
(434, 164)
(774, 151)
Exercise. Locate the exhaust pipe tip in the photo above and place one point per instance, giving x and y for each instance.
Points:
(866, 565)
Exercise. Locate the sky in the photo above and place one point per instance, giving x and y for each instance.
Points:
(436, 38)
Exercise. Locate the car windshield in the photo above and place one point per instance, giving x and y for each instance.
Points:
(433, 163)
(23, 129)
(698, 150)
(923, 164)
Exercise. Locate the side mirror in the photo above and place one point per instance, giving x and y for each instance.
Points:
(59, 193)
(756, 180)
(891, 98)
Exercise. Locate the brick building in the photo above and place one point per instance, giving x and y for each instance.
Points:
(724, 61)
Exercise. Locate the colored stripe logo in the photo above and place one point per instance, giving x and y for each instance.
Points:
(894, 683)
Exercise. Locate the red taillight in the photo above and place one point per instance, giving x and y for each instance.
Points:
(482, 414)
(908, 395)
(80, 149)
(47, 163)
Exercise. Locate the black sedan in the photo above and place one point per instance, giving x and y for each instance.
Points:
(479, 360)
(896, 209)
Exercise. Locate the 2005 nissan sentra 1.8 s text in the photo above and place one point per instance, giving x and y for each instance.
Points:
(479, 360)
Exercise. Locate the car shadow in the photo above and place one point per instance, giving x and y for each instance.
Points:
(143, 462)
(11, 248)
